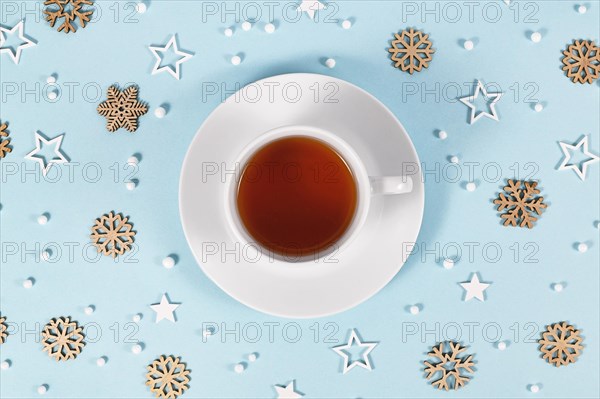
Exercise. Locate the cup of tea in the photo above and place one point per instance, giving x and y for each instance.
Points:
(301, 193)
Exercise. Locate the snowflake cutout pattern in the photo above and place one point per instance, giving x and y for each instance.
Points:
(68, 11)
(3, 330)
(62, 338)
(112, 234)
(582, 61)
(122, 108)
(4, 142)
(411, 51)
(520, 204)
(561, 344)
(449, 367)
(167, 377)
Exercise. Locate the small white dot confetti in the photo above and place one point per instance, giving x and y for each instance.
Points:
(442, 134)
(558, 287)
(89, 310)
(538, 107)
(42, 389)
(160, 112)
(207, 332)
(598, 224)
(141, 8)
(52, 95)
(42, 219)
(582, 9)
(536, 37)
(130, 185)
(228, 32)
(51, 79)
(347, 24)
(136, 349)
(534, 388)
(471, 186)
(239, 368)
(330, 63)
(246, 26)
(46, 255)
(5, 365)
(101, 361)
(252, 357)
(454, 159)
(448, 263)
(168, 262)
(28, 283)
(133, 160)
(269, 28)
(236, 60)
(414, 309)
(582, 247)
(136, 318)
(501, 345)
(468, 45)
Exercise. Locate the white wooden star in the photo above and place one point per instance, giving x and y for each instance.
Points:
(311, 6)
(288, 391)
(474, 288)
(15, 54)
(175, 72)
(165, 309)
(567, 150)
(469, 102)
(46, 165)
(365, 362)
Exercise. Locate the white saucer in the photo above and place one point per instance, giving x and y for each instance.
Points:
(312, 289)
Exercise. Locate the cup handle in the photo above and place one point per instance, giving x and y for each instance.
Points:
(389, 185)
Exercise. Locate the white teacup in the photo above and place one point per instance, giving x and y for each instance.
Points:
(366, 185)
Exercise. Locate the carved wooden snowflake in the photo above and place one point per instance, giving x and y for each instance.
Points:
(582, 61)
(4, 141)
(112, 234)
(122, 109)
(450, 366)
(68, 11)
(561, 344)
(520, 203)
(62, 338)
(3, 330)
(167, 377)
(411, 51)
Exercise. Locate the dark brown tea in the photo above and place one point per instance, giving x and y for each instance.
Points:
(296, 196)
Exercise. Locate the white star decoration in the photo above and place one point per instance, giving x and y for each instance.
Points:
(288, 391)
(25, 42)
(365, 362)
(165, 309)
(310, 6)
(567, 148)
(474, 289)
(469, 102)
(169, 68)
(46, 165)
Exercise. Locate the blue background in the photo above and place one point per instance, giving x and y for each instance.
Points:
(115, 49)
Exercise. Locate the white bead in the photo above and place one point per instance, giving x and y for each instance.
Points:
(168, 262)
(136, 349)
(414, 309)
(88, 310)
(347, 24)
(582, 9)
(130, 185)
(534, 388)
(42, 389)
(454, 159)
(582, 247)
(269, 28)
(239, 368)
(471, 186)
(136, 318)
(160, 112)
(252, 357)
(52, 95)
(42, 219)
(133, 160)
(101, 361)
(501, 345)
(46, 255)
(442, 134)
(598, 224)
(5, 365)
(538, 107)
(536, 37)
(448, 263)
(28, 283)
(228, 32)
(141, 8)
(468, 45)
(236, 60)
(207, 332)
(246, 26)
(330, 63)
(558, 287)
(51, 80)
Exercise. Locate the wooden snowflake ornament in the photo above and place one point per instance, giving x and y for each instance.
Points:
(561, 344)
(122, 109)
(3, 330)
(112, 235)
(520, 204)
(411, 50)
(167, 377)
(582, 61)
(68, 11)
(4, 140)
(62, 339)
(450, 368)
